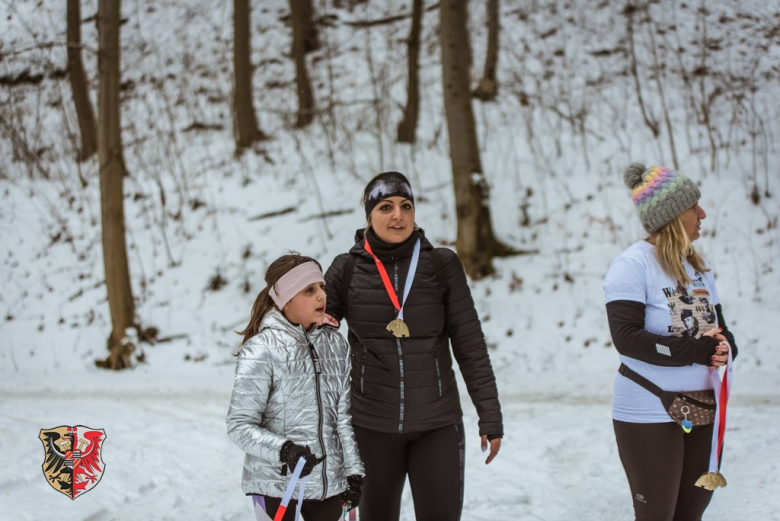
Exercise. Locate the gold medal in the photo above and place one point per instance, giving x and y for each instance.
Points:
(398, 328)
(711, 480)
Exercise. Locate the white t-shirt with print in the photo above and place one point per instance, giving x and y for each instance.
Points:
(669, 310)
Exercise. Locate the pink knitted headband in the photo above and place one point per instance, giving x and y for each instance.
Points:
(294, 281)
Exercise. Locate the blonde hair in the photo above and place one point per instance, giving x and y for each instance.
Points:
(672, 246)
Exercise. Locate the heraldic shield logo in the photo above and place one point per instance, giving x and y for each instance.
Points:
(73, 461)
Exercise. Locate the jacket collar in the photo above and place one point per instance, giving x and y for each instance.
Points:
(388, 251)
(274, 319)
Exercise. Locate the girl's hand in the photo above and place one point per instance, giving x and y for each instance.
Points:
(495, 446)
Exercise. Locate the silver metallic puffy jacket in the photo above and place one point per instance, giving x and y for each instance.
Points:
(279, 394)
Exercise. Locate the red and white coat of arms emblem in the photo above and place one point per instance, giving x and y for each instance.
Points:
(73, 463)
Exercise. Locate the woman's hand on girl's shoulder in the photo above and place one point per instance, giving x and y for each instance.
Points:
(329, 320)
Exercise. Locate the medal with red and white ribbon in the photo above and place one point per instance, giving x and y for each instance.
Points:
(713, 479)
(397, 327)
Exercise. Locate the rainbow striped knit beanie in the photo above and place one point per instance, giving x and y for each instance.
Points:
(659, 194)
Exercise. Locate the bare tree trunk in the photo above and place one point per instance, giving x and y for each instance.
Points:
(112, 173)
(78, 83)
(488, 87)
(407, 128)
(311, 39)
(476, 242)
(302, 83)
(662, 97)
(247, 130)
(651, 123)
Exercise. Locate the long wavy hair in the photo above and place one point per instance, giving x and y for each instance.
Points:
(672, 247)
(264, 303)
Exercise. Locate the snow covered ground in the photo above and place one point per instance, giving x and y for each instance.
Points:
(166, 453)
(167, 456)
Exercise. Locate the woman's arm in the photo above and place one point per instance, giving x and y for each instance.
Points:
(469, 346)
(251, 391)
(631, 339)
(333, 289)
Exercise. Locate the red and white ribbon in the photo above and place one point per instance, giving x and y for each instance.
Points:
(296, 479)
(386, 278)
(301, 482)
(722, 393)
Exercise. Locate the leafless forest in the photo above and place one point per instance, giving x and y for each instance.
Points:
(136, 116)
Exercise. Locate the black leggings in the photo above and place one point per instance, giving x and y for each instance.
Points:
(662, 464)
(312, 509)
(433, 460)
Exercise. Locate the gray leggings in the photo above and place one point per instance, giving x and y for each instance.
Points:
(662, 464)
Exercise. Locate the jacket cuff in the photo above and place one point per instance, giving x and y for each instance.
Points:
(492, 429)
(705, 350)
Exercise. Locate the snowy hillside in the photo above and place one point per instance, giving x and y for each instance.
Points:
(203, 225)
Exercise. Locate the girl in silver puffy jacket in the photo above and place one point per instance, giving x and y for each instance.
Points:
(291, 397)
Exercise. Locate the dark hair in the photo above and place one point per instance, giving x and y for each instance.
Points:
(263, 303)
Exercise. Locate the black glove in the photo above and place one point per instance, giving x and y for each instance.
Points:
(351, 496)
(291, 453)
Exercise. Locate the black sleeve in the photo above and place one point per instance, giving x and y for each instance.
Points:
(729, 336)
(469, 346)
(631, 339)
(333, 277)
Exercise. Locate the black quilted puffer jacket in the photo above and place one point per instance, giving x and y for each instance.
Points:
(408, 384)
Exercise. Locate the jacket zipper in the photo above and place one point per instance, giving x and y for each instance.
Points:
(438, 372)
(402, 386)
(363, 368)
(694, 401)
(317, 372)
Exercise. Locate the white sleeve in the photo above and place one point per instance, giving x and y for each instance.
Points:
(626, 279)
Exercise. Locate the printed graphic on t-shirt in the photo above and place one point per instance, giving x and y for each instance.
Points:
(689, 309)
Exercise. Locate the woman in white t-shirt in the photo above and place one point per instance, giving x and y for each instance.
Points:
(667, 325)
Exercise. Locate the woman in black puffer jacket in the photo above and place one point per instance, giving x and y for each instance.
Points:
(405, 405)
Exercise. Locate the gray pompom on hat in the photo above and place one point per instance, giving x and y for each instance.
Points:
(660, 194)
